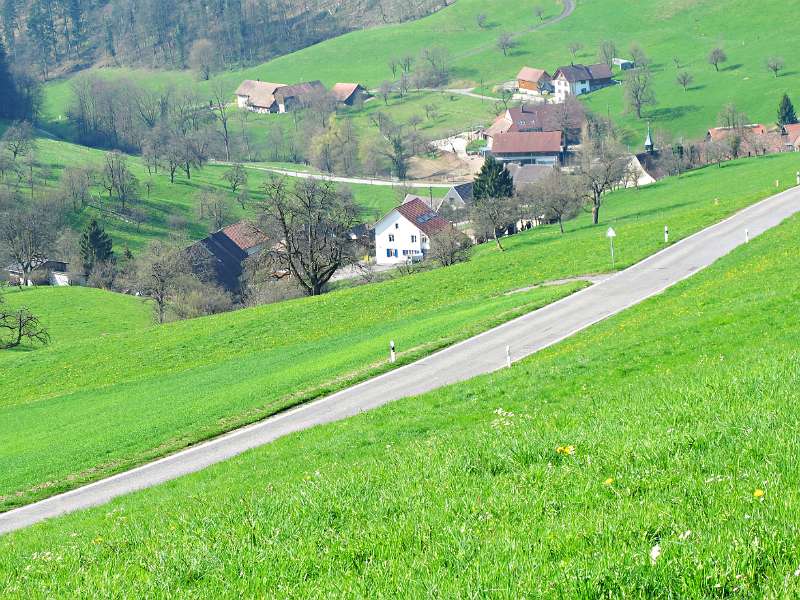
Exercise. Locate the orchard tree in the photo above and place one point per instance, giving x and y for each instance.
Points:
(716, 57)
(506, 42)
(775, 64)
(685, 79)
(639, 90)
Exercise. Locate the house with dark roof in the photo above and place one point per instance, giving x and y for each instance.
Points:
(458, 196)
(297, 95)
(349, 94)
(528, 174)
(529, 147)
(575, 80)
(227, 250)
(404, 234)
(45, 272)
(258, 96)
(569, 117)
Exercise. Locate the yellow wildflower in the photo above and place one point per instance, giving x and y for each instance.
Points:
(759, 493)
(608, 481)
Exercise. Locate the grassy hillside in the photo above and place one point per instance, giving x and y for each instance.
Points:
(124, 399)
(749, 32)
(168, 202)
(680, 476)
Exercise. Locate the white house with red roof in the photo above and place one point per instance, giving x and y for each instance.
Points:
(404, 234)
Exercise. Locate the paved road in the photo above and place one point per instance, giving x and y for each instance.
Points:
(482, 354)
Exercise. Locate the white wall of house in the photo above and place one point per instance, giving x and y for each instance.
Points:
(397, 240)
(241, 101)
(564, 88)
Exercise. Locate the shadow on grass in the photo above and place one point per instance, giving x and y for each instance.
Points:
(734, 67)
(674, 112)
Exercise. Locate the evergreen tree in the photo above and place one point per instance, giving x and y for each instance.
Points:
(786, 114)
(8, 97)
(494, 181)
(95, 246)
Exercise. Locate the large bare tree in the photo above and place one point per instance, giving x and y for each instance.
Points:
(557, 197)
(309, 223)
(601, 167)
(27, 236)
(20, 324)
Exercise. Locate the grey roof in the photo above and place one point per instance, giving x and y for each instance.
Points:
(464, 190)
(527, 174)
(574, 73)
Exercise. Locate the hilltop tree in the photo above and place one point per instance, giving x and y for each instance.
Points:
(493, 181)
(95, 246)
(538, 12)
(312, 220)
(204, 58)
(716, 57)
(775, 64)
(27, 236)
(639, 90)
(158, 274)
(574, 48)
(19, 139)
(640, 59)
(786, 114)
(481, 19)
(685, 79)
(18, 325)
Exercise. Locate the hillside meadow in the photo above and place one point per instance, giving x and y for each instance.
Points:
(652, 455)
(118, 400)
(174, 207)
(749, 32)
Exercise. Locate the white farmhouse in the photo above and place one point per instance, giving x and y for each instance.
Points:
(576, 80)
(404, 234)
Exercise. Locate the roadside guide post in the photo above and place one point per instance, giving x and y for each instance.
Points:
(508, 356)
(392, 355)
(746, 236)
(666, 234)
(611, 234)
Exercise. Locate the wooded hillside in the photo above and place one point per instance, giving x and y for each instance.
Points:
(57, 35)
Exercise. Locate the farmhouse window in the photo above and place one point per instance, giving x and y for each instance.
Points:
(391, 237)
(413, 239)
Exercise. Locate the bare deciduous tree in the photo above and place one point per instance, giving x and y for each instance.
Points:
(310, 223)
(639, 90)
(18, 325)
(685, 79)
(449, 246)
(608, 50)
(775, 64)
(505, 42)
(27, 236)
(716, 57)
(19, 139)
(574, 48)
(492, 216)
(601, 167)
(557, 197)
(236, 177)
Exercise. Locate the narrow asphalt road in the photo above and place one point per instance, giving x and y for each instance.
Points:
(481, 354)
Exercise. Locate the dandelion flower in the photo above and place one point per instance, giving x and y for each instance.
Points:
(759, 493)
(655, 552)
(565, 450)
(608, 481)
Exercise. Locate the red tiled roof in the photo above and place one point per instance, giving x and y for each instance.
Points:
(421, 215)
(245, 235)
(527, 142)
(793, 132)
(343, 91)
(533, 75)
(259, 93)
(720, 133)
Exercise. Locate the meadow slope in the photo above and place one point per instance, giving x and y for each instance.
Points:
(122, 399)
(652, 455)
(749, 32)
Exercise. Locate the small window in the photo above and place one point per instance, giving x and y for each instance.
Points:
(405, 252)
(391, 237)
(388, 253)
(397, 225)
(424, 240)
(413, 239)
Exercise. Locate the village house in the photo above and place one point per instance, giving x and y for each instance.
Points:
(264, 97)
(569, 117)
(350, 94)
(576, 80)
(457, 197)
(528, 174)
(228, 249)
(534, 81)
(48, 272)
(749, 140)
(791, 137)
(404, 234)
(528, 148)
(258, 96)
(623, 64)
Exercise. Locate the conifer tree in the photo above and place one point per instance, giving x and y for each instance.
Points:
(8, 97)
(786, 114)
(95, 245)
(494, 181)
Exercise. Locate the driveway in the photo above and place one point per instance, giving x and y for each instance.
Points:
(478, 355)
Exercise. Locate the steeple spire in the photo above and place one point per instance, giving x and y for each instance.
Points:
(648, 143)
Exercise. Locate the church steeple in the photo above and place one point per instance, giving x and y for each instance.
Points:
(648, 143)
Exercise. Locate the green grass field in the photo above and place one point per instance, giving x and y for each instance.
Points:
(687, 29)
(126, 398)
(168, 201)
(681, 478)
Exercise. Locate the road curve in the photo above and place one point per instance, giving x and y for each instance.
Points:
(481, 354)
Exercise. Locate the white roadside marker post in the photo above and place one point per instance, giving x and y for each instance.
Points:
(746, 236)
(392, 355)
(508, 356)
(798, 178)
(666, 234)
(611, 234)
